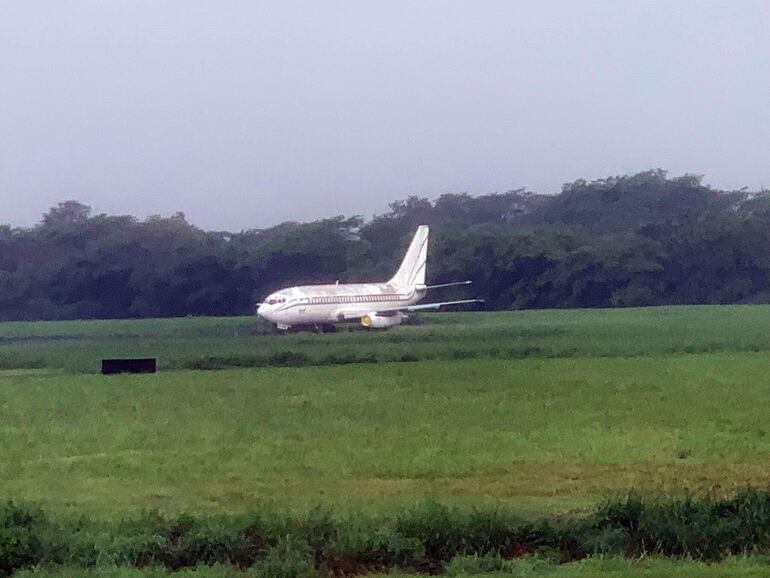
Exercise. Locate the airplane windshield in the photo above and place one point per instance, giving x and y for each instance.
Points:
(276, 300)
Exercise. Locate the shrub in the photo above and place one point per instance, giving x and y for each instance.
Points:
(428, 538)
(363, 546)
(21, 542)
(705, 529)
(291, 557)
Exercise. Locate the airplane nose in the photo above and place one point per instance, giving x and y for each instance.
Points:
(264, 311)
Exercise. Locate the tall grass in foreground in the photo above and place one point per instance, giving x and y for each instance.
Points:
(465, 566)
(430, 538)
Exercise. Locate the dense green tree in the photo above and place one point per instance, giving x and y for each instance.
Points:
(633, 240)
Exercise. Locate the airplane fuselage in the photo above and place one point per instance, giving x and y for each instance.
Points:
(325, 304)
(375, 305)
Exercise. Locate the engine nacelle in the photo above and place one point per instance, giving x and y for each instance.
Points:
(379, 321)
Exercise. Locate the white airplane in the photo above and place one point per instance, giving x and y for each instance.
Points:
(374, 305)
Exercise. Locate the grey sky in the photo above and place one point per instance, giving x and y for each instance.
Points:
(246, 113)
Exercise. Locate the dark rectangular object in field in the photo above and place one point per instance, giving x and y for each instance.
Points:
(139, 365)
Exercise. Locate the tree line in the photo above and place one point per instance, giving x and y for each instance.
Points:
(633, 240)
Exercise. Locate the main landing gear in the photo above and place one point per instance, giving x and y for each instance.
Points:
(319, 328)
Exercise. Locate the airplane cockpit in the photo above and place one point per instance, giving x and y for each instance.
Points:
(275, 300)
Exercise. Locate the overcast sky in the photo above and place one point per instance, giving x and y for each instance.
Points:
(246, 113)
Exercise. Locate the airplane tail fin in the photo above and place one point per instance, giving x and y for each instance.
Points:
(412, 269)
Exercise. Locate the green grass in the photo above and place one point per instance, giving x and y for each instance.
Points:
(77, 347)
(619, 567)
(536, 434)
(522, 568)
(542, 411)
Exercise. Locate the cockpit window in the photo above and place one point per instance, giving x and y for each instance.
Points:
(276, 300)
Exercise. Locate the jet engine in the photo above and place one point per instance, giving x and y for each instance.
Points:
(379, 320)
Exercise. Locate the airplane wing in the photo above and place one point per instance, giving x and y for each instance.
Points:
(429, 306)
(358, 313)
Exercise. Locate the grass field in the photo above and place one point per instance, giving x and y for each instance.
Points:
(538, 434)
(76, 347)
(525, 568)
(544, 412)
